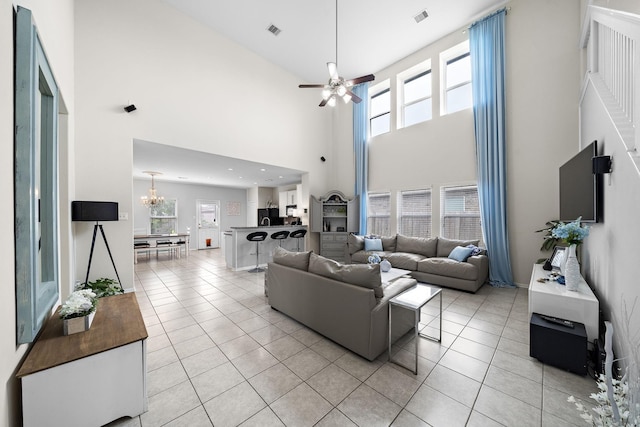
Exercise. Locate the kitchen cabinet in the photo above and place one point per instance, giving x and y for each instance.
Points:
(285, 199)
(334, 216)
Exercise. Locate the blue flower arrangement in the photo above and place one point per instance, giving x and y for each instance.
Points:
(374, 259)
(573, 232)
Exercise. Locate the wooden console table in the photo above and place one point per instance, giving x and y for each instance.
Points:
(90, 378)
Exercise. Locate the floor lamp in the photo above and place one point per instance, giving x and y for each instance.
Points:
(96, 212)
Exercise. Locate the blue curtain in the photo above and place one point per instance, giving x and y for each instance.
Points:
(361, 150)
(486, 42)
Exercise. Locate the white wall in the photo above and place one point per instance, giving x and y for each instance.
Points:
(193, 89)
(55, 26)
(609, 255)
(542, 127)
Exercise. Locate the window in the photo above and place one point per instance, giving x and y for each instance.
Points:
(414, 209)
(456, 79)
(163, 219)
(415, 95)
(460, 213)
(379, 214)
(380, 109)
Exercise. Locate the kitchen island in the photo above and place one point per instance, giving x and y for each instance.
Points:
(240, 254)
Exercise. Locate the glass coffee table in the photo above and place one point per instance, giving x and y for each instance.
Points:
(414, 299)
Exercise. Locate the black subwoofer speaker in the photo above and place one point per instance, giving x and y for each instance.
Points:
(558, 345)
(94, 211)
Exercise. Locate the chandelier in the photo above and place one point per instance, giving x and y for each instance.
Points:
(153, 199)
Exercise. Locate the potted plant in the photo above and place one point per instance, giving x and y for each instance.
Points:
(102, 287)
(78, 311)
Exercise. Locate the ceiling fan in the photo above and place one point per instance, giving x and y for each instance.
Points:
(338, 87)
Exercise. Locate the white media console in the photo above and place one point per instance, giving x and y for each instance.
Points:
(552, 299)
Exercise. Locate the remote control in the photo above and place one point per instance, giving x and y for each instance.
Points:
(563, 322)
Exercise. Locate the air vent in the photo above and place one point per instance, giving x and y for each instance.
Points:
(421, 16)
(274, 30)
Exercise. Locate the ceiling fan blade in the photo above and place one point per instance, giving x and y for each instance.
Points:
(358, 80)
(323, 102)
(311, 86)
(355, 98)
(333, 70)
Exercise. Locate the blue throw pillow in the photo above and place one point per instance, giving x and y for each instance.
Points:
(373, 244)
(460, 253)
(477, 250)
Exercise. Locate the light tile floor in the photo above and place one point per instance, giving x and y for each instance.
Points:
(219, 355)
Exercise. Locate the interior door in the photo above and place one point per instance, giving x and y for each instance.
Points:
(208, 215)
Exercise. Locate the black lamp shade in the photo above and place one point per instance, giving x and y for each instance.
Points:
(94, 211)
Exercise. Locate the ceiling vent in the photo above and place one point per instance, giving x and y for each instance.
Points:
(274, 30)
(421, 16)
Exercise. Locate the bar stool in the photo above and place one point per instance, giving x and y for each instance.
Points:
(280, 235)
(257, 236)
(298, 234)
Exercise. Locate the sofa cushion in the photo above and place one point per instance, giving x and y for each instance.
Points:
(365, 275)
(445, 246)
(299, 260)
(405, 260)
(460, 253)
(324, 267)
(389, 243)
(355, 243)
(417, 245)
(362, 257)
(448, 267)
(372, 244)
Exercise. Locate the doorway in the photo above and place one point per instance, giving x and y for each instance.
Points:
(207, 213)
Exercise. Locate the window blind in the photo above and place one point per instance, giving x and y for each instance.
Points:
(379, 214)
(414, 209)
(460, 213)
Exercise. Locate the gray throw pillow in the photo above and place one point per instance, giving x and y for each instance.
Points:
(365, 275)
(417, 245)
(355, 243)
(445, 246)
(389, 244)
(299, 260)
(324, 267)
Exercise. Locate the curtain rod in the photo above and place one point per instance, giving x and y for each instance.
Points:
(482, 15)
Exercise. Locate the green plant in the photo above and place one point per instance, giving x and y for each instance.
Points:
(549, 240)
(103, 287)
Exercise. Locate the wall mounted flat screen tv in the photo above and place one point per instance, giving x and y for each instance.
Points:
(580, 188)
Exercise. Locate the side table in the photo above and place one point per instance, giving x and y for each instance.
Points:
(414, 299)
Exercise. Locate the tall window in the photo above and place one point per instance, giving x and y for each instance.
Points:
(414, 209)
(456, 79)
(163, 219)
(460, 213)
(379, 214)
(380, 109)
(415, 94)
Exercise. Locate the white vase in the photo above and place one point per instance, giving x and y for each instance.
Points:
(77, 324)
(572, 277)
(385, 266)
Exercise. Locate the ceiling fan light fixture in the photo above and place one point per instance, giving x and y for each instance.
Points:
(341, 90)
(332, 101)
(346, 98)
(326, 93)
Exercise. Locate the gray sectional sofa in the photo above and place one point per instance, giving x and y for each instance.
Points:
(427, 259)
(346, 303)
